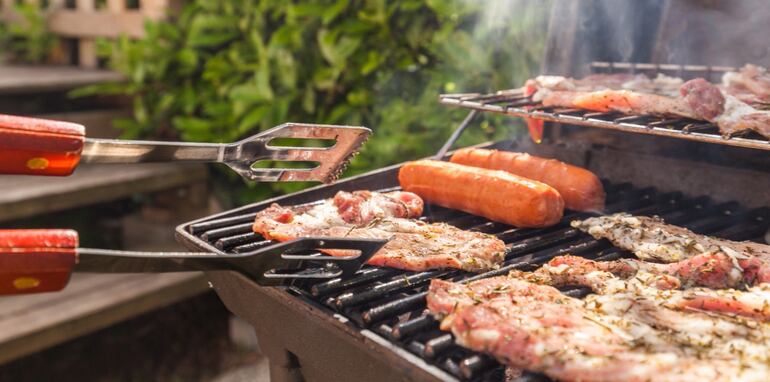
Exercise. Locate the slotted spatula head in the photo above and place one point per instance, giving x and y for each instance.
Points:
(331, 161)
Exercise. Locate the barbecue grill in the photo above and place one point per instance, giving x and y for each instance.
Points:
(374, 327)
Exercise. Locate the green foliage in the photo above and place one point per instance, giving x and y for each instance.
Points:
(221, 70)
(26, 40)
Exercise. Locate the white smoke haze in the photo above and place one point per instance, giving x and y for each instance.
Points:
(516, 28)
(698, 32)
(723, 32)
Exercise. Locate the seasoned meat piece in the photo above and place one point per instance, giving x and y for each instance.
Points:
(618, 336)
(661, 85)
(751, 84)
(711, 270)
(739, 116)
(413, 245)
(749, 306)
(705, 99)
(362, 207)
(652, 239)
(631, 102)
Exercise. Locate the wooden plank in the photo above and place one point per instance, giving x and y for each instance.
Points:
(23, 196)
(87, 54)
(91, 302)
(116, 6)
(74, 23)
(154, 9)
(37, 79)
(85, 5)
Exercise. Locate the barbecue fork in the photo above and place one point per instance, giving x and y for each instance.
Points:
(34, 146)
(41, 260)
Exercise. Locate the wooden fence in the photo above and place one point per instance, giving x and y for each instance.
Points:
(82, 21)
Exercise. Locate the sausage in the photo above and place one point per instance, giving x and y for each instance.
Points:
(580, 188)
(495, 195)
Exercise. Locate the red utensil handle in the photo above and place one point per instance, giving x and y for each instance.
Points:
(35, 146)
(36, 260)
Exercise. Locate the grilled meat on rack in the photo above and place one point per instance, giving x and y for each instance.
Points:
(695, 99)
(751, 84)
(661, 85)
(731, 263)
(414, 245)
(628, 334)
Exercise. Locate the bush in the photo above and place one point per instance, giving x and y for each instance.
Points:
(27, 39)
(221, 70)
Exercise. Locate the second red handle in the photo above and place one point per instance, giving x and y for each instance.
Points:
(36, 260)
(35, 146)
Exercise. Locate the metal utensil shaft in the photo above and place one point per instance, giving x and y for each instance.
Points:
(120, 151)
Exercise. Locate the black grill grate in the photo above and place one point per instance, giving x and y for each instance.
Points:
(391, 303)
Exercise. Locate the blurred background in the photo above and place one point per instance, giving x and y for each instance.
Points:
(217, 71)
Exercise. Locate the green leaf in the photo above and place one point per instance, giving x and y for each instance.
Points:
(331, 13)
(140, 110)
(191, 124)
(252, 119)
(131, 129)
(373, 61)
(188, 60)
(209, 30)
(325, 78)
(359, 97)
(258, 90)
(308, 100)
(336, 51)
(285, 68)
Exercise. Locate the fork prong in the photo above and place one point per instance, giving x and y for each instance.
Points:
(315, 154)
(331, 163)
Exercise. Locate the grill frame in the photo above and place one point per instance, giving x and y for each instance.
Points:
(513, 103)
(374, 350)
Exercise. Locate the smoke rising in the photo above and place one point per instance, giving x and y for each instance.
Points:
(697, 32)
(729, 33)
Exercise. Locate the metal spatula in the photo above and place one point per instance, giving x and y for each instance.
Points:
(41, 260)
(43, 147)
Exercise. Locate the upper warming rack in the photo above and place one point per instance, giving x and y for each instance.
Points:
(515, 103)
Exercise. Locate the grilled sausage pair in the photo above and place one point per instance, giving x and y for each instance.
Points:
(530, 192)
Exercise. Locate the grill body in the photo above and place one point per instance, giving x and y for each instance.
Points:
(374, 326)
